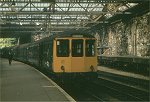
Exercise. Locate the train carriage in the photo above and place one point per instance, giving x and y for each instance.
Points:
(75, 53)
(69, 54)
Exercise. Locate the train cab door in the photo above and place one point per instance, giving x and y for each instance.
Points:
(61, 55)
(77, 59)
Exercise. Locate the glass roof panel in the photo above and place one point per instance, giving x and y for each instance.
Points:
(108, 15)
(131, 4)
(60, 12)
(122, 8)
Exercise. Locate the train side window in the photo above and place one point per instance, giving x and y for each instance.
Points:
(62, 48)
(77, 48)
(90, 48)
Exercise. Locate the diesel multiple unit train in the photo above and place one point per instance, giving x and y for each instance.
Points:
(73, 54)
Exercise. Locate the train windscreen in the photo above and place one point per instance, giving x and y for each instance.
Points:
(77, 48)
(62, 48)
(90, 48)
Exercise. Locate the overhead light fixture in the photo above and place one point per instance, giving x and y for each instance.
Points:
(13, 6)
(37, 23)
(20, 23)
(13, 3)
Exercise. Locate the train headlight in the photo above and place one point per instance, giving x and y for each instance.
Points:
(92, 68)
(63, 68)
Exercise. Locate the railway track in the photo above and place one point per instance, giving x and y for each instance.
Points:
(105, 88)
(129, 81)
(139, 89)
(80, 90)
(118, 92)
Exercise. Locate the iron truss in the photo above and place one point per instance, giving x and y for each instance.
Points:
(58, 15)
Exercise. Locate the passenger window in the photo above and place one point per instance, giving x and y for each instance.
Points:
(90, 48)
(77, 48)
(62, 48)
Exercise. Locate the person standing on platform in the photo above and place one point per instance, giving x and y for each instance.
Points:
(10, 57)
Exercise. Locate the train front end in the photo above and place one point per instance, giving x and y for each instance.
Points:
(75, 55)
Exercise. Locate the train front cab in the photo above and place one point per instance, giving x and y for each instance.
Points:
(75, 56)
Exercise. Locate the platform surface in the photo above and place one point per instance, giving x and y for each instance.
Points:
(122, 73)
(21, 82)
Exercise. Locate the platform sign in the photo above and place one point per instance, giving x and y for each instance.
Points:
(77, 36)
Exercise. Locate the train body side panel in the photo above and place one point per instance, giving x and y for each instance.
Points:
(59, 62)
(77, 64)
(92, 61)
(45, 54)
(91, 56)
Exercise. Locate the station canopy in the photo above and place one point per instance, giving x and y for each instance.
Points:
(54, 16)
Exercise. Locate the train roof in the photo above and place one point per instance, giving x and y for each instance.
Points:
(78, 35)
(73, 35)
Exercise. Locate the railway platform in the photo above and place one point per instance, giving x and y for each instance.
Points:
(123, 73)
(21, 82)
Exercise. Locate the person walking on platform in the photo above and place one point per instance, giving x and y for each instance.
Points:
(10, 57)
